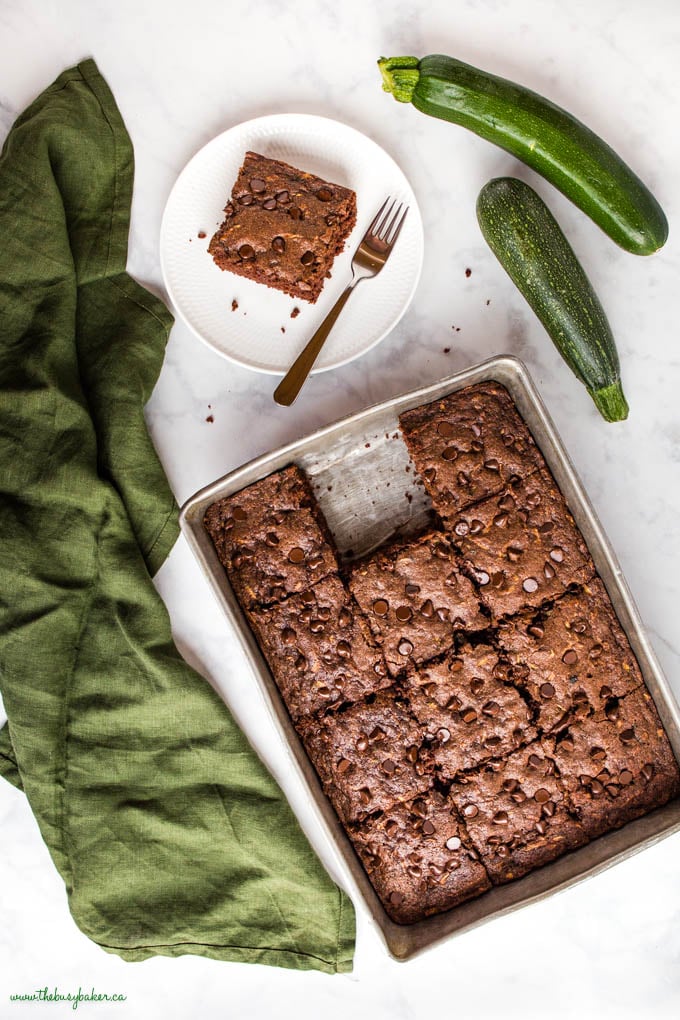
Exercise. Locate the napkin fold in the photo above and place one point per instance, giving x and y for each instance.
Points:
(168, 831)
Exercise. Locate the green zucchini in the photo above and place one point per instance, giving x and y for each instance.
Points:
(542, 135)
(527, 241)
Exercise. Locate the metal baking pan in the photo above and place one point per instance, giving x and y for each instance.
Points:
(368, 490)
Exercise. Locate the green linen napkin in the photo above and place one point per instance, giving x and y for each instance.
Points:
(169, 833)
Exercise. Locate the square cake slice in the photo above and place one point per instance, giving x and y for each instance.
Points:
(571, 656)
(617, 764)
(319, 648)
(415, 599)
(368, 756)
(468, 714)
(271, 538)
(283, 227)
(522, 547)
(469, 445)
(419, 858)
(517, 813)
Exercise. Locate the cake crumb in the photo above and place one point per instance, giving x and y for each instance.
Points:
(294, 314)
(210, 419)
(234, 304)
(468, 272)
(202, 234)
(283, 329)
(488, 301)
(447, 350)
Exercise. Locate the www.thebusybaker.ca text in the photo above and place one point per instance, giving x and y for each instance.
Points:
(45, 995)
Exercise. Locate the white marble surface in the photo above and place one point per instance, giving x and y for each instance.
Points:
(181, 73)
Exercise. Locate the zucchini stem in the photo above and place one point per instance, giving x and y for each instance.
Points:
(400, 75)
(611, 402)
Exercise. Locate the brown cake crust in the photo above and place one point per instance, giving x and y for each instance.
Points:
(271, 538)
(369, 756)
(469, 445)
(517, 814)
(283, 227)
(319, 648)
(522, 547)
(571, 656)
(415, 599)
(617, 764)
(419, 858)
(468, 714)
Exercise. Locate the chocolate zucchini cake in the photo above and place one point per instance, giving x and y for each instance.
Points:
(468, 697)
(283, 227)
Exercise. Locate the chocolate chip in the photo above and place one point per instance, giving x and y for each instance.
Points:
(238, 514)
(510, 785)
(405, 647)
(482, 577)
(542, 796)
(307, 258)
(443, 735)
(389, 767)
(470, 810)
(246, 251)
(468, 715)
(279, 244)
(570, 657)
(567, 744)
(627, 736)
(288, 636)
(530, 584)
(541, 828)
(598, 753)
(272, 538)
(269, 204)
(595, 652)
(396, 898)
(549, 808)
(365, 796)
(547, 691)
(362, 743)
(428, 828)
(548, 571)
(492, 708)
(282, 196)
(296, 555)
(611, 709)
(411, 589)
(453, 843)
(295, 213)
(245, 199)
(557, 554)
(534, 761)
(446, 429)
(605, 691)
(492, 465)
(501, 520)
(500, 818)
(345, 617)
(317, 626)
(461, 528)
(380, 607)
(429, 474)
(343, 765)
(391, 828)
(492, 742)
(514, 553)
(324, 194)
(343, 649)
(535, 630)
(647, 771)
(257, 185)
(427, 609)
(626, 777)
(403, 614)
(476, 527)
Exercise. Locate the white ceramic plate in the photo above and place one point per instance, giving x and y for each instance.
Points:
(260, 333)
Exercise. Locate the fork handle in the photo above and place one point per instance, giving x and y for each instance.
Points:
(291, 384)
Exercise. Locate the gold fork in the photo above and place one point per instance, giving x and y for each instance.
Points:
(369, 258)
